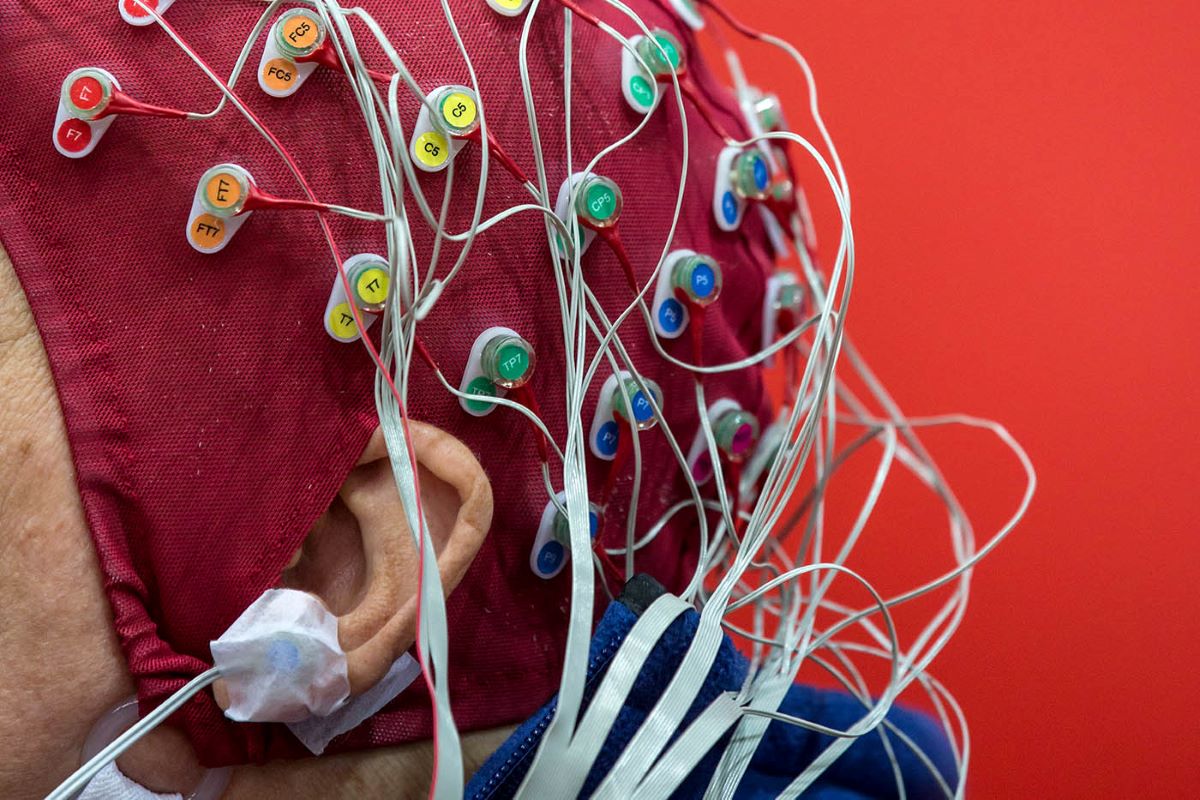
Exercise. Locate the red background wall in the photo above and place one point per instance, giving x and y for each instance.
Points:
(1026, 200)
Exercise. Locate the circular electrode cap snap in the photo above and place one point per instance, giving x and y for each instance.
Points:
(370, 281)
(457, 110)
(769, 111)
(789, 297)
(736, 433)
(699, 278)
(507, 361)
(751, 175)
(598, 202)
(224, 190)
(643, 412)
(299, 33)
(86, 93)
(783, 191)
(661, 62)
(562, 526)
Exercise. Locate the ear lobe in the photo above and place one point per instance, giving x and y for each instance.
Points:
(377, 606)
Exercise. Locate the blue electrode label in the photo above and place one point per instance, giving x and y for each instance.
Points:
(761, 178)
(703, 280)
(729, 207)
(607, 437)
(670, 315)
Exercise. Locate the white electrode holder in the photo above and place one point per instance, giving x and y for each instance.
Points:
(746, 104)
(728, 207)
(637, 85)
(548, 555)
(279, 75)
(209, 233)
(699, 459)
(563, 210)
(339, 316)
(134, 14)
(669, 313)
(605, 434)
(430, 149)
(509, 8)
(765, 453)
(475, 382)
(689, 13)
(74, 137)
(770, 320)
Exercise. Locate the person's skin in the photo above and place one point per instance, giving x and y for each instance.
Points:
(60, 664)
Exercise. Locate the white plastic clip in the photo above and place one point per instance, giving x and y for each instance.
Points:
(134, 11)
(689, 12)
(430, 147)
(369, 279)
(765, 453)
(778, 285)
(475, 382)
(605, 434)
(549, 554)
(562, 209)
(75, 136)
(509, 8)
(728, 208)
(639, 86)
(699, 459)
(217, 213)
(296, 33)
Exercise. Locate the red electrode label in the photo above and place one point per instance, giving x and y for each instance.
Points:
(134, 7)
(74, 135)
(86, 93)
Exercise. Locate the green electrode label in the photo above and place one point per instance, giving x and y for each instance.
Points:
(484, 388)
(639, 87)
(669, 48)
(512, 361)
(601, 202)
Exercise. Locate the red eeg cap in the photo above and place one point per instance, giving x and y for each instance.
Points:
(212, 419)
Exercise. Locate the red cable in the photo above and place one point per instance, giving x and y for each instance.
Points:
(326, 56)
(587, 17)
(258, 199)
(498, 152)
(696, 323)
(688, 90)
(734, 23)
(613, 239)
(121, 103)
(525, 397)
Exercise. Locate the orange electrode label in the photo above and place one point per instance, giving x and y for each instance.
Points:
(279, 74)
(207, 231)
(223, 190)
(301, 31)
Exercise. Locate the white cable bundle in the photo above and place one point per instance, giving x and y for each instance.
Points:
(788, 603)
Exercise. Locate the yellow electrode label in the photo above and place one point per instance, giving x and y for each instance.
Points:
(511, 5)
(223, 190)
(279, 74)
(207, 231)
(372, 285)
(341, 321)
(459, 110)
(431, 149)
